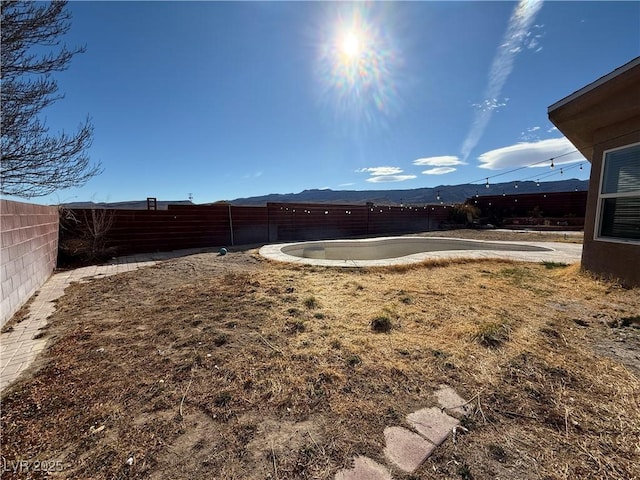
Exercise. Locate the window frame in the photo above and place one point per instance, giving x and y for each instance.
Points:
(602, 196)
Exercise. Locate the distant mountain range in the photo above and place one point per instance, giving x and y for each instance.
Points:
(416, 196)
(447, 193)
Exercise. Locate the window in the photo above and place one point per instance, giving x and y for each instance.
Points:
(619, 199)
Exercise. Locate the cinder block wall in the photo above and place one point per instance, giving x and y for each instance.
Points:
(28, 252)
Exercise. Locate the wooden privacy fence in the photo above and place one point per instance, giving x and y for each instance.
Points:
(196, 226)
(553, 210)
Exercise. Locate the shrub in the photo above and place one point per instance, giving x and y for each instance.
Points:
(492, 334)
(381, 324)
(311, 303)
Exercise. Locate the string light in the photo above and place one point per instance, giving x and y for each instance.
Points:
(517, 183)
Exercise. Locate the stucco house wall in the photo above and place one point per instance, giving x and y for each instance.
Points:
(602, 116)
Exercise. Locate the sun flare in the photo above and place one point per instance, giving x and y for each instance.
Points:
(359, 66)
(351, 45)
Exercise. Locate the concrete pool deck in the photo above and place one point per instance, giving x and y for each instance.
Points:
(531, 252)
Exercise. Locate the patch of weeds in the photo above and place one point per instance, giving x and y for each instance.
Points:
(353, 360)
(492, 334)
(406, 299)
(221, 340)
(311, 303)
(633, 321)
(464, 471)
(517, 274)
(550, 332)
(403, 352)
(467, 422)
(335, 344)
(296, 327)
(381, 324)
(199, 445)
(319, 315)
(551, 265)
(497, 452)
(581, 322)
(197, 360)
(294, 312)
(222, 399)
(393, 415)
(439, 354)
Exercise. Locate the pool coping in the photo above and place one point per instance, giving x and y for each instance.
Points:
(557, 252)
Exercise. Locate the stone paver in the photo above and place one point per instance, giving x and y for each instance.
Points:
(18, 348)
(364, 469)
(432, 424)
(405, 449)
(451, 401)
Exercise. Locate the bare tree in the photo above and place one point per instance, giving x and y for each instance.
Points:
(35, 162)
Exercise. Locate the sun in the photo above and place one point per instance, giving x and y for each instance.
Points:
(351, 45)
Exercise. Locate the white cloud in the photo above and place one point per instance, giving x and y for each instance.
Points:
(443, 161)
(439, 170)
(346, 184)
(390, 178)
(530, 134)
(514, 38)
(380, 171)
(526, 153)
(490, 104)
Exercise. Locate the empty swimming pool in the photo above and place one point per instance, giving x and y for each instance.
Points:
(402, 250)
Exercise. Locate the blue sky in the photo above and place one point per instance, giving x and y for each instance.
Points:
(232, 99)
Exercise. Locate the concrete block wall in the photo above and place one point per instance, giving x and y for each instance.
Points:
(28, 252)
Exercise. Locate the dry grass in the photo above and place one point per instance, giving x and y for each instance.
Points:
(233, 367)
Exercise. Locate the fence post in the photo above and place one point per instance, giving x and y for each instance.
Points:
(231, 225)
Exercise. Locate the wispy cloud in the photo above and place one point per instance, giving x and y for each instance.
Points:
(346, 184)
(439, 170)
(490, 104)
(443, 161)
(526, 153)
(385, 174)
(391, 178)
(380, 170)
(530, 134)
(515, 39)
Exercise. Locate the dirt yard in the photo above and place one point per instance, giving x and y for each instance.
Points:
(234, 367)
